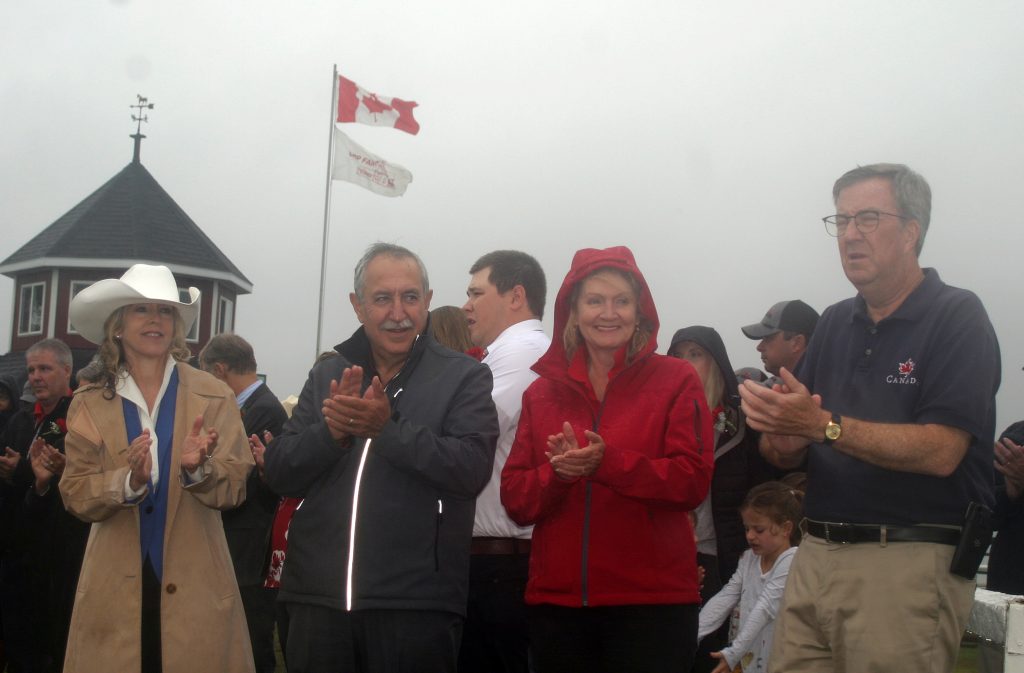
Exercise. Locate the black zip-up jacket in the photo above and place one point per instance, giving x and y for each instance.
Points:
(17, 530)
(416, 494)
(739, 465)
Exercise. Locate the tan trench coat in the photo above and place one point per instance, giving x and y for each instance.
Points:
(202, 622)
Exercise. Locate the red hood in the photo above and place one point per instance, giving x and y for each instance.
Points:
(585, 262)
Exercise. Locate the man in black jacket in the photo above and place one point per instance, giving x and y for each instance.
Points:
(389, 446)
(41, 545)
(230, 358)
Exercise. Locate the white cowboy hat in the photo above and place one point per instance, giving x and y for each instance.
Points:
(141, 284)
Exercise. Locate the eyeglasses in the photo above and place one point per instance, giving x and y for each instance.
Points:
(866, 221)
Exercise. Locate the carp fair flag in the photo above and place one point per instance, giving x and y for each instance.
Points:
(354, 164)
(356, 104)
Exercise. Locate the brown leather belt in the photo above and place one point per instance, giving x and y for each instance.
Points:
(504, 546)
(850, 533)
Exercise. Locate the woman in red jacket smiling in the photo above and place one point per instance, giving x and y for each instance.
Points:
(613, 448)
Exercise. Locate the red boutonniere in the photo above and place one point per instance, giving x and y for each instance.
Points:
(476, 353)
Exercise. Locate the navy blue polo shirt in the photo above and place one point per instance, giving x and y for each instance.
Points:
(934, 360)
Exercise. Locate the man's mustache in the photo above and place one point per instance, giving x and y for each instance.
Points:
(391, 324)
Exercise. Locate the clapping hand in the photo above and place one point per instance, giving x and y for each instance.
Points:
(197, 447)
(338, 423)
(350, 415)
(46, 462)
(259, 448)
(140, 461)
(568, 459)
(8, 461)
(1009, 461)
(787, 409)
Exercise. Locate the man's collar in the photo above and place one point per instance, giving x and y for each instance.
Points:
(246, 393)
(913, 307)
(357, 350)
(40, 413)
(528, 325)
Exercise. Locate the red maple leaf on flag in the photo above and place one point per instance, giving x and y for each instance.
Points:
(375, 105)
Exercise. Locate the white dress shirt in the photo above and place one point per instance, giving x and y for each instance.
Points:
(510, 357)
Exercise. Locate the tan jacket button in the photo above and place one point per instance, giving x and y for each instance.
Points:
(171, 588)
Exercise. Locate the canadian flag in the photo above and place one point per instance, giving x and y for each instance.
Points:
(356, 104)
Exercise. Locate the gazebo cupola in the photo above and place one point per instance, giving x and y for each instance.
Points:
(128, 219)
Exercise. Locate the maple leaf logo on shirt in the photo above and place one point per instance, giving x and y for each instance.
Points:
(907, 367)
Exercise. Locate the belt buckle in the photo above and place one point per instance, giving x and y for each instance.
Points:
(828, 533)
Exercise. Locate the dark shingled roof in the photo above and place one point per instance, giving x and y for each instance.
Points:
(12, 368)
(130, 217)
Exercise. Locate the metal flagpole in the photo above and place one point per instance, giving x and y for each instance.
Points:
(327, 213)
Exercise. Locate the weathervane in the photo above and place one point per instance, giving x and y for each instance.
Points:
(143, 104)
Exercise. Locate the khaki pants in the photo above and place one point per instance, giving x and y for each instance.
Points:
(863, 608)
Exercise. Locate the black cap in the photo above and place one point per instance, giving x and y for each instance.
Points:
(1015, 433)
(786, 316)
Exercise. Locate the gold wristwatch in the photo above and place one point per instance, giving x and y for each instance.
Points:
(833, 429)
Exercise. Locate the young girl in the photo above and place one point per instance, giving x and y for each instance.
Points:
(771, 515)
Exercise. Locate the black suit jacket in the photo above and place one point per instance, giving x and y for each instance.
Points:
(247, 527)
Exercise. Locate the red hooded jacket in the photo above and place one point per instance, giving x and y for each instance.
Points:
(622, 535)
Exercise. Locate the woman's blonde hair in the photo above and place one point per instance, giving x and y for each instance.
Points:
(111, 351)
(714, 384)
(571, 334)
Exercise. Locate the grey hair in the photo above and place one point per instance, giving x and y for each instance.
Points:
(393, 251)
(913, 195)
(230, 350)
(59, 349)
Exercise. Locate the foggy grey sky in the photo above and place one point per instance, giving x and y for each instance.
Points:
(706, 136)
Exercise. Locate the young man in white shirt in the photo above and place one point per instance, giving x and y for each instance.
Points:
(505, 305)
